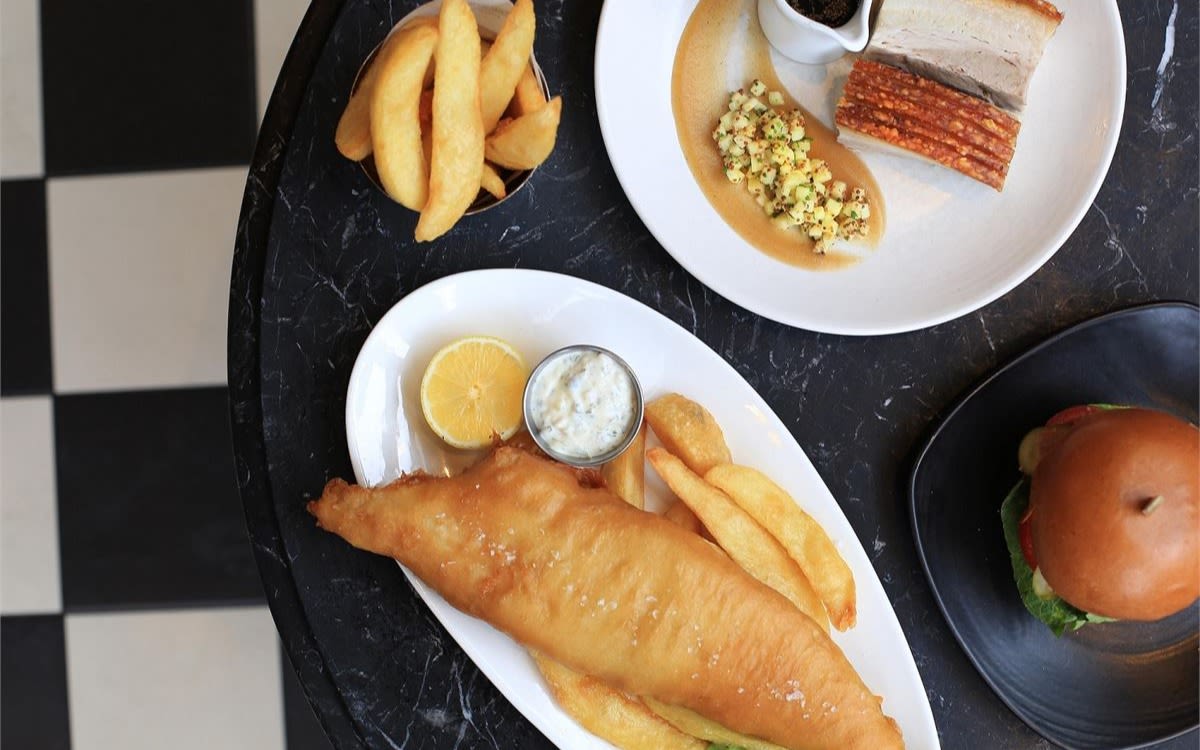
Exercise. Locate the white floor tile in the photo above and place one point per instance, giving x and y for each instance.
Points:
(275, 24)
(187, 680)
(20, 90)
(29, 580)
(139, 277)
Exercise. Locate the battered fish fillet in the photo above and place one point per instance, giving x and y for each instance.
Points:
(617, 593)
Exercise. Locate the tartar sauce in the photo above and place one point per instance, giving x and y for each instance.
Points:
(582, 403)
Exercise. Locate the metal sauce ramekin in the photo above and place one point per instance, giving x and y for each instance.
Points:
(591, 461)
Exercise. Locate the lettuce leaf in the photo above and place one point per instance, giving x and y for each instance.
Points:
(1055, 612)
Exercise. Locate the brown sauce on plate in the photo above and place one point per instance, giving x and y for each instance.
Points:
(700, 94)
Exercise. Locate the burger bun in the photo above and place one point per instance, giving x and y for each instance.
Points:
(1116, 513)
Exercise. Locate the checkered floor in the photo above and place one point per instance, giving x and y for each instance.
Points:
(132, 613)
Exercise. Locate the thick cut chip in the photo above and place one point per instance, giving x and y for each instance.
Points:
(625, 475)
(457, 163)
(750, 545)
(696, 725)
(610, 714)
(529, 96)
(803, 538)
(504, 63)
(395, 115)
(525, 142)
(353, 135)
(689, 431)
(493, 182)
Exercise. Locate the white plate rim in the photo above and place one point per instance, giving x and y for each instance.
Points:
(850, 545)
(813, 322)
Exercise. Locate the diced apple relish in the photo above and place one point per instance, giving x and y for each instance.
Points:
(767, 150)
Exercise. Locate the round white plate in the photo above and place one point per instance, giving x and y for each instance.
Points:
(539, 312)
(951, 244)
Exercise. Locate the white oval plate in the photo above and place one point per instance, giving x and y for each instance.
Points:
(951, 244)
(539, 312)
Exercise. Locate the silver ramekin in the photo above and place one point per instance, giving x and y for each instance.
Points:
(635, 424)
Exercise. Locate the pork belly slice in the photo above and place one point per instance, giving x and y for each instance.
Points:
(887, 108)
(988, 48)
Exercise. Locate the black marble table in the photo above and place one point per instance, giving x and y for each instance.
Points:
(321, 256)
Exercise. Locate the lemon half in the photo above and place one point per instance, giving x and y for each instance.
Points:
(473, 389)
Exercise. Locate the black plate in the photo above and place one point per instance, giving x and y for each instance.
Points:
(1118, 685)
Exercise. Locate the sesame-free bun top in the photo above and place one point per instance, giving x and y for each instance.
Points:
(1103, 541)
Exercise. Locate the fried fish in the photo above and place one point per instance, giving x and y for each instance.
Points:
(614, 592)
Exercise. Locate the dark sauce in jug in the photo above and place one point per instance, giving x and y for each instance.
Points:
(832, 13)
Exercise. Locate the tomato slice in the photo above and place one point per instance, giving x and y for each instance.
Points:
(1025, 535)
(1072, 414)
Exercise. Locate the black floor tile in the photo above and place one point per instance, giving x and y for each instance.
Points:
(33, 683)
(24, 289)
(148, 506)
(301, 728)
(143, 84)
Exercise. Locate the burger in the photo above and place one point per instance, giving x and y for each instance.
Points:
(1105, 524)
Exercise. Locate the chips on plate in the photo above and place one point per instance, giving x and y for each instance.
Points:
(803, 538)
(625, 475)
(750, 545)
(689, 431)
